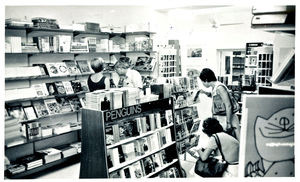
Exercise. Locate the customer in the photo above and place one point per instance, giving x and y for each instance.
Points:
(230, 120)
(229, 145)
(127, 76)
(98, 81)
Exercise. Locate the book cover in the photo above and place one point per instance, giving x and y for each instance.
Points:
(41, 90)
(84, 85)
(40, 108)
(34, 130)
(64, 105)
(51, 88)
(115, 174)
(157, 160)
(148, 165)
(76, 85)
(60, 88)
(30, 113)
(62, 69)
(72, 67)
(31, 161)
(52, 106)
(157, 120)
(17, 112)
(75, 102)
(128, 151)
(52, 69)
(154, 141)
(83, 101)
(169, 116)
(43, 68)
(143, 146)
(126, 172)
(195, 126)
(128, 129)
(67, 151)
(68, 87)
(84, 66)
(136, 170)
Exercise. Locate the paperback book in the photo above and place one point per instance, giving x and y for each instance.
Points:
(75, 102)
(76, 85)
(51, 87)
(52, 106)
(64, 105)
(41, 90)
(84, 66)
(60, 88)
(40, 108)
(68, 87)
(72, 67)
(30, 113)
(17, 112)
(50, 154)
(148, 164)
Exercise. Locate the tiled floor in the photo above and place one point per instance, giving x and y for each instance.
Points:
(72, 171)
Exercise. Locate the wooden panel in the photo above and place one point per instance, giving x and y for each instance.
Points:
(93, 146)
(13, 153)
(57, 141)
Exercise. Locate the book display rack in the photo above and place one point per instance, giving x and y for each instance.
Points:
(137, 141)
(45, 88)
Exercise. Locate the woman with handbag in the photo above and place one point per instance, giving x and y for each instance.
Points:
(223, 107)
(219, 143)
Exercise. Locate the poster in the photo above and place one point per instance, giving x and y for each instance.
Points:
(267, 136)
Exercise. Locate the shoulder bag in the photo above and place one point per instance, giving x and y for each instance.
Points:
(212, 167)
(219, 106)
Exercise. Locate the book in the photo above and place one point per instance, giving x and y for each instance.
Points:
(52, 106)
(75, 102)
(52, 69)
(17, 112)
(114, 156)
(115, 174)
(84, 66)
(83, 101)
(40, 108)
(13, 169)
(154, 141)
(142, 146)
(47, 131)
(77, 145)
(51, 88)
(40, 90)
(60, 88)
(128, 151)
(84, 85)
(68, 87)
(72, 67)
(125, 172)
(62, 69)
(156, 160)
(31, 161)
(195, 126)
(112, 134)
(76, 85)
(136, 170)
(64, 105)
(128, 129)
(67, 151)
(43, 68)
(169, 116)
(50, 154)
(148, 165)
(34, 130)
(30, 113)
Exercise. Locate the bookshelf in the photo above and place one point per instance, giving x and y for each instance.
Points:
(97, 153)
(21, 58)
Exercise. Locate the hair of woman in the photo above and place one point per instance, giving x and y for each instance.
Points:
(97, 64)
(207, 75)
(211, 126)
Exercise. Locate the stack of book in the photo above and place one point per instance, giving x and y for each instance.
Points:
(15, 169)
(31, 161)
(50, 154)
(13, 134)
(67, 151)
(77, 145)
(98, 100)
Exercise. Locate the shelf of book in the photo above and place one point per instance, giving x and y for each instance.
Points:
(27, 141)
(43, 98)
(63, 161)
(137, 137)
(86, 33)
(43, 77)
(161, 168)
(48, 116)
(97, 155)
(137, 52)
(122, 165)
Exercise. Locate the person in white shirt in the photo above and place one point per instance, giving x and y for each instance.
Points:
(127, 76)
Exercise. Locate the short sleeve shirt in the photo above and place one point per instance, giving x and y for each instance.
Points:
(133, 79)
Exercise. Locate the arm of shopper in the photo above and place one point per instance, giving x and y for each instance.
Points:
(204, 153)
(225, 97)
(107, 83)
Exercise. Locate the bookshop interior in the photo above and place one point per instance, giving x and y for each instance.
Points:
(112, 91)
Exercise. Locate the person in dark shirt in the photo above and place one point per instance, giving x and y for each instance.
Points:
(97, 80)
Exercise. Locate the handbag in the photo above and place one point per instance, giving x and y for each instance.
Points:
(219, 106)
(212, 167)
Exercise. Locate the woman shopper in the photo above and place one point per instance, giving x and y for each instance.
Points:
(229, 145)
(230, 120)
(98, 81)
